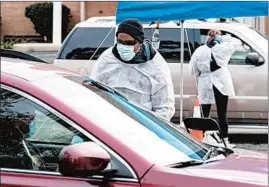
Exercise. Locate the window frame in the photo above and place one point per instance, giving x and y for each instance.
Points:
(78, 128)
(59, 54)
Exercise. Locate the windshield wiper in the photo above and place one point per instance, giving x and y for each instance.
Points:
(209, 153)
(187, 163)
(223, 151)
(104, 87)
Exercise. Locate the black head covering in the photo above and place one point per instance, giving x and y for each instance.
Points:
(133, 27)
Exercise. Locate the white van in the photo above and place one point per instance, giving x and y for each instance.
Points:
(250, 80)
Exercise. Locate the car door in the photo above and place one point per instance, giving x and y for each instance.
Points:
(32, 137)
(250, 100)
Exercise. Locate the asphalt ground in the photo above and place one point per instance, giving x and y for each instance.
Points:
(256, 142)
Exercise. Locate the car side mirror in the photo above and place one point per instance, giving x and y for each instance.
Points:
(254, 59)
(83, 159)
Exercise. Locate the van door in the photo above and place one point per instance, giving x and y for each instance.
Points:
(250, 83)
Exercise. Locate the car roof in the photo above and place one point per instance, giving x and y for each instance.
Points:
(30, 70)
(109, 21)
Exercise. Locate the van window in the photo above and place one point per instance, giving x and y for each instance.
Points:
(170, 43)
(239, 57)
(83, 42)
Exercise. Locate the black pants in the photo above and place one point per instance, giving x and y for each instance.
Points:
(221, 102)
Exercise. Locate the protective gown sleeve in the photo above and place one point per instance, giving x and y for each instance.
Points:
(163, 99)
(163, 103)
(96, 68)
(224, 51)
(193, 67)
(102, 65)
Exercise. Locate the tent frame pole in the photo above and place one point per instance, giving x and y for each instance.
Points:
(181, 71)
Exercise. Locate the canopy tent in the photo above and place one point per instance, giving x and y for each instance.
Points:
(187, 10)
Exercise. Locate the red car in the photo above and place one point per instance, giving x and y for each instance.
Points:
(59, 128)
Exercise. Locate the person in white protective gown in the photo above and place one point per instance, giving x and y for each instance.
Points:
(137, 70)
(209, 63)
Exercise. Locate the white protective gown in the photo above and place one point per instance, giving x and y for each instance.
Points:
(147, 84)
(200, 67)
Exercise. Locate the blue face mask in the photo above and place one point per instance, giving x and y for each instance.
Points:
(126, 52)
(218, 38)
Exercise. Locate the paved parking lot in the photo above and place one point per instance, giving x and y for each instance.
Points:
(255, 142)
(261, 147)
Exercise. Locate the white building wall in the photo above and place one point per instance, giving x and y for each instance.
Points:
(256, 22)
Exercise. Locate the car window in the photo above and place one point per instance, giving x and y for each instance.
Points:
(30, 131)
(170, 43)
(32, 137)
(239, 56)
(84, 41)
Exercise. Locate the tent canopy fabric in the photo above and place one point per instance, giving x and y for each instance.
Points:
(187, 10)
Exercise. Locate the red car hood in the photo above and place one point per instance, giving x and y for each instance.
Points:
(241, 169)
(242, 166)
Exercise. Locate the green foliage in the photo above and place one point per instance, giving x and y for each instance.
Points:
(9, 43)
(41, 15)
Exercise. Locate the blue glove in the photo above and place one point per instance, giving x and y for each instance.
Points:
(76, 139)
